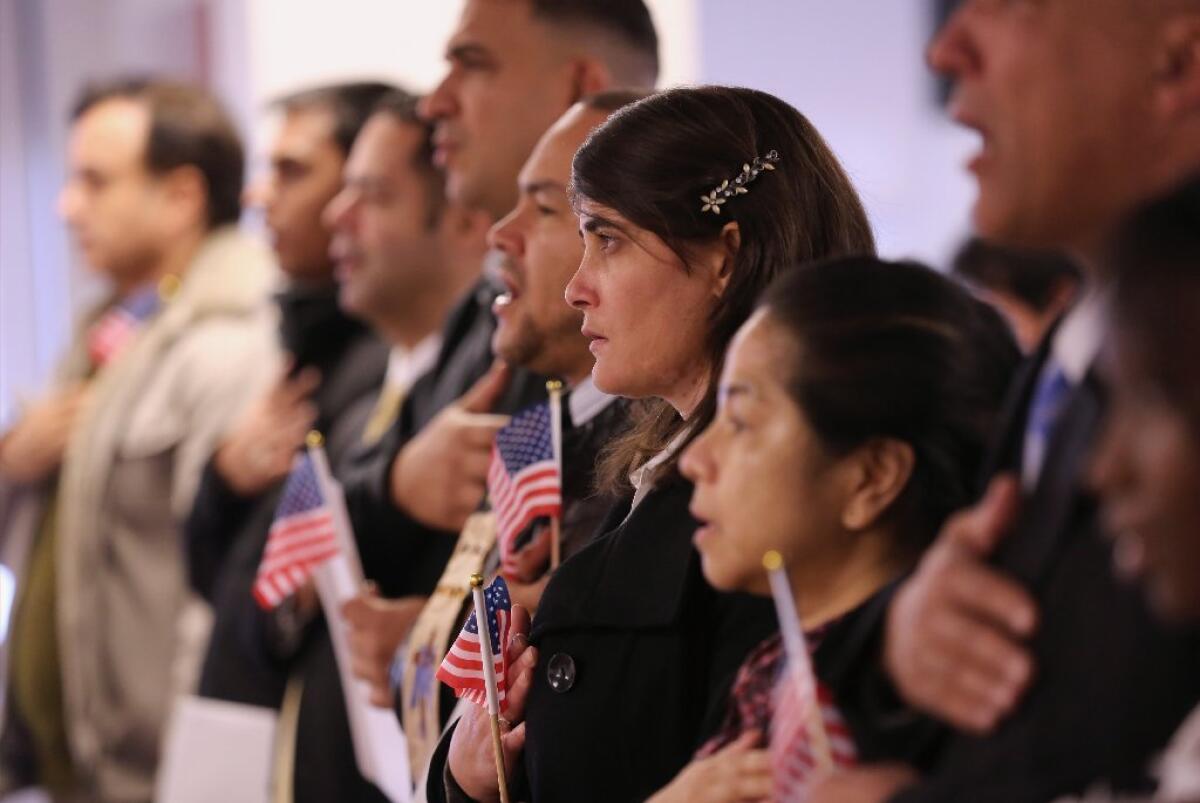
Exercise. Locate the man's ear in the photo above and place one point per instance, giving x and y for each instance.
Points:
(1178, 74)
(879, 473)
(185, 192)
(588, 76)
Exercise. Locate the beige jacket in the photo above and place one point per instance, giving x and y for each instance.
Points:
(130, 632)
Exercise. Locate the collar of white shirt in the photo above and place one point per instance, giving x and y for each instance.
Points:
(1079, 337)
(407, 365)
(586, 401)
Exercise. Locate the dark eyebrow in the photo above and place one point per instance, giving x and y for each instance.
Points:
(468, 51)
(594, 223)
(534, 187)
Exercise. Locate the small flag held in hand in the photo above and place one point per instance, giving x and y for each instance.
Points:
(463, 669)
(301, 537)
(523, 481)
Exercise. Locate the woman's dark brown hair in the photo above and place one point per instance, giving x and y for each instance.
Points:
(896, 350)
(653, 160)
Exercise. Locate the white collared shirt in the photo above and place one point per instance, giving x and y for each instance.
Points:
(586, 401)
(407, 365)
(643, 478)
(1078, 339)
(1074, 349)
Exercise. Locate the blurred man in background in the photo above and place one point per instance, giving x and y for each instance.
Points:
(400, 255)
(1014, 627)
(1031, 289)
(97, 478)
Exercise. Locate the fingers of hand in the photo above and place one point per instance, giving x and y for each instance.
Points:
(519, 691)
(477, 431)
(982, 592)
(980, 528)
(969, 674)
(484, 394)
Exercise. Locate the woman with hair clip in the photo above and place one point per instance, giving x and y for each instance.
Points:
(854, 410)
(690, 202)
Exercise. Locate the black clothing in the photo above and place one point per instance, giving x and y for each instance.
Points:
(1112, 683)
(637, 654)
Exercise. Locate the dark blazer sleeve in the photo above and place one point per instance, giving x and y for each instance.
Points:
(218, 514)
(1112, 683)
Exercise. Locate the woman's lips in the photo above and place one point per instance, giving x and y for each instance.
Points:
(597, 341)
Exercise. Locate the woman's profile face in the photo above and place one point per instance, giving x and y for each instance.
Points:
(645, 313)
(762, 479)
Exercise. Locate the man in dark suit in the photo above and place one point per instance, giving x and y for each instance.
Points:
(402, 256)
(1014, 628)
(514, 68)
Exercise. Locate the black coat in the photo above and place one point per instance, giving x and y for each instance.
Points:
(653, 650)
(1112, 683)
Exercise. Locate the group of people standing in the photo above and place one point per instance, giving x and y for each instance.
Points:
(993, 557)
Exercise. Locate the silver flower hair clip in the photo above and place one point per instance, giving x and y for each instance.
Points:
(728, 189)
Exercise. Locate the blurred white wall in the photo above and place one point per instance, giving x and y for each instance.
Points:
(856, 69)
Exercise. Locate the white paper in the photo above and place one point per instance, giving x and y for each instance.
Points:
(379, 744)
(217, 751)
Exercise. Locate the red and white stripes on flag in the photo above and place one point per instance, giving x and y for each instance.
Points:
(302, 536)
(524, 481)
(462, 669)
(794, 764)
(117, 328)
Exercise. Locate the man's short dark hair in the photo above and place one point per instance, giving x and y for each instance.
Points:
(1034, 277)
(611, 100)
(188, 127)
(627, 21)
(350, 104)
(402, 107)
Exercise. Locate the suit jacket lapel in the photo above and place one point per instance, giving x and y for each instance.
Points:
(1005, 454)
(1044, 522)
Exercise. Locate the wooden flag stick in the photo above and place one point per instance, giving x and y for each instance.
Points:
(798, 660)
(554, 388)
(489, 680)
(555, 539)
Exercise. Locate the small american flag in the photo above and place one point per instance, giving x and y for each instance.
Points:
(462, 668)
(793, 761)
(523, 480)
(301, 537)
(116, 328)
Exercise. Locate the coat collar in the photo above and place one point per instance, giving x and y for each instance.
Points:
(634, 576)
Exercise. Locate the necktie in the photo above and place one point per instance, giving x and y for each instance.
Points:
(1049, 399)
(387, 408)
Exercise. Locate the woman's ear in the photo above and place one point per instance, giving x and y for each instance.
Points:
(725, 255)
(879, 473)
